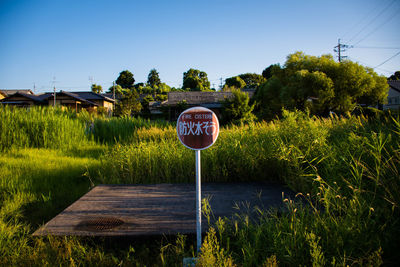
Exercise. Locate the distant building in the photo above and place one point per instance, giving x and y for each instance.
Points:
(74, 100)
(5, 92)
(20, 99)
(212, 100)
(393, 96)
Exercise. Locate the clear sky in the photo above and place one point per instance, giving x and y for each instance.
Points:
(77, 42)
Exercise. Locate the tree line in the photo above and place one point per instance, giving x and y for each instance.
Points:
(319, 85)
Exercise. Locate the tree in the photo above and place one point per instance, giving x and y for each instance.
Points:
(153, 79)
(117, 88)
(129, 104)
(395, 76)
(329, 85)
(125, 79)
(234, 82)
(252, 80)
(195, 80)
(237, 109)
(305, 87)
(267, 96)
(96, 88)
(269, 71)
(145, 103)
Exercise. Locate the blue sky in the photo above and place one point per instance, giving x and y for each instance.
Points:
(78, 42)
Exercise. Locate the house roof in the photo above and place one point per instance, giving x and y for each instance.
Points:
(78, 97)
(395, 85)
(70, 94)
(93, 96)
(7, 92)
(29, 96)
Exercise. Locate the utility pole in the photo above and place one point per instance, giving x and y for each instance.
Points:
(54, 88)
(220, 86)
(341, 48)
(54, 104)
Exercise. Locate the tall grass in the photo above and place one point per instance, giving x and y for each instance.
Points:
(121, 130)
(40, 127)
(346, 170)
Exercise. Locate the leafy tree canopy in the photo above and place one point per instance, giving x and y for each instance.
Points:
(117, 87)
(153, 79)
(395, 76)
(269, 71)
(322, 82)
(252, 80)
(237, 109)
(125, 79)
(96, 88)
(235, 82)
(195, 80)
(129, 104)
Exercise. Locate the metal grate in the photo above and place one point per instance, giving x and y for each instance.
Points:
(99, 224)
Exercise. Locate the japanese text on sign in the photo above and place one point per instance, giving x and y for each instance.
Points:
(187, 128)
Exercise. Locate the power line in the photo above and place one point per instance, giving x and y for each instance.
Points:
(380, 25)
(371, 21)
(375, 47)
(369, 66)
(364, 18)
(395, 55)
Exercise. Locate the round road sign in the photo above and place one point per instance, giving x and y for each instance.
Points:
(197, 128)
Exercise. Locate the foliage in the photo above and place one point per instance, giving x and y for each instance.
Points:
(125, 79)
(268, 97)
(237, 109)
(328, 85)
(161, 98)
(195, 80)
(235, 82)
(269, 71)
(118, 89)
(129, 105)
(45, 127)
(153, 78)
(252, 80)
(395, 76)
(96, 88)
(346, 172)
(145, 103)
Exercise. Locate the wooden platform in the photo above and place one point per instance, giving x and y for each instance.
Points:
(132, 210)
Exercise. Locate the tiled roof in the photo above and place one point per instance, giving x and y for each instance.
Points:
(29, 96)
(73, 95)
(93, 96)
(395, 85)
(7, 92)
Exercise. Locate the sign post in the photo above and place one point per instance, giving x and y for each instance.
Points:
(197, 129)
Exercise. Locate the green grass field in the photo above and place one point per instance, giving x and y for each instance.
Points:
(345, 169)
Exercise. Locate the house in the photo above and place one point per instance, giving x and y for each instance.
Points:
(69, 100)
(101, 100)
(7, 92)
(177, 101)
(21, 99)
(79, 100)
(393, 96)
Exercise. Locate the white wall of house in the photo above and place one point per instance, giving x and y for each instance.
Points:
(393, 99)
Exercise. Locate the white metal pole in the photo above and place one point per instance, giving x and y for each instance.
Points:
(198, 199)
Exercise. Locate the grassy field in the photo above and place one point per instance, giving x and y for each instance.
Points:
(345, 169)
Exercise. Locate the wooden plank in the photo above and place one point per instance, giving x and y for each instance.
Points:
(157, 209)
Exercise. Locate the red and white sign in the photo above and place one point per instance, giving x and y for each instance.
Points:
(197, 128)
